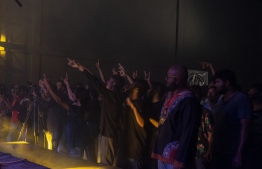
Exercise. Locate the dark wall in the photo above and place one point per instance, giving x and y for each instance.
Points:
(139, 34)
(146, 35)
(225, 33)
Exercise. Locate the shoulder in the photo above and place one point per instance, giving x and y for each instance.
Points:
(241, 98)
(241, 95)
(190, 102)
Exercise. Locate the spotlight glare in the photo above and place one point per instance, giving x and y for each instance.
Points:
(2, 49)
(17, 142)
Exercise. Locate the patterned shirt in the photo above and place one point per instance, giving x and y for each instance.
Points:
(206, 127)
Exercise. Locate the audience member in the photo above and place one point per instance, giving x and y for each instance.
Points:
(232, 121)
(204, 141)
(254, 141)
(110, 113)
(175, 144)
(132, 150)
(77, 132)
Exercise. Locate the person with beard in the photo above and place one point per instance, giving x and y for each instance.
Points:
(232, 119)
(254, 146)
(178, 125)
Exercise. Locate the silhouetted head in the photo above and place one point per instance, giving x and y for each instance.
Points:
(224, 80)
(255, 92)
(115, 83)
(176, 77)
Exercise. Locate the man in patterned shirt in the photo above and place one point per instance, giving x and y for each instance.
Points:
(178, 125)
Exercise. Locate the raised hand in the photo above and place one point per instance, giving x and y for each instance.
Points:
(71, 95)
(41, 83)
(134, 75)
(208, 65)
(97, 64)
(45, 81)
(114, 71)
(147, 76)
(121, 69)
(65, 80)
(73, 64)
(205, 64)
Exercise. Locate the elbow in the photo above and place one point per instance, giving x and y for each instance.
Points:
(141, 124)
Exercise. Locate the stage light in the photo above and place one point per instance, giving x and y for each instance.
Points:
(2, 49)
(16, 142)
(49, 140)
(90, 167)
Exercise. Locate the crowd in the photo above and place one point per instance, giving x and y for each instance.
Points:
(137, 123)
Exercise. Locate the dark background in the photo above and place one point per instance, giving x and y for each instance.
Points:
(148, 35)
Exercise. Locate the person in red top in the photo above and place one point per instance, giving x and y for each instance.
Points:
(20, 106)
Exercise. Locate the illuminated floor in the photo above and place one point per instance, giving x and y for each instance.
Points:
(21, 155)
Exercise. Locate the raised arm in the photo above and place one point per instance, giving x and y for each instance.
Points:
(94, 80)
(100, 72)
(114, 71)
(123, 73)
(207, 64)
(53, 94)
(134, 75)
(44, 90)
(75, 64)
(139, 118)
(147, 77)
(69, 90)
